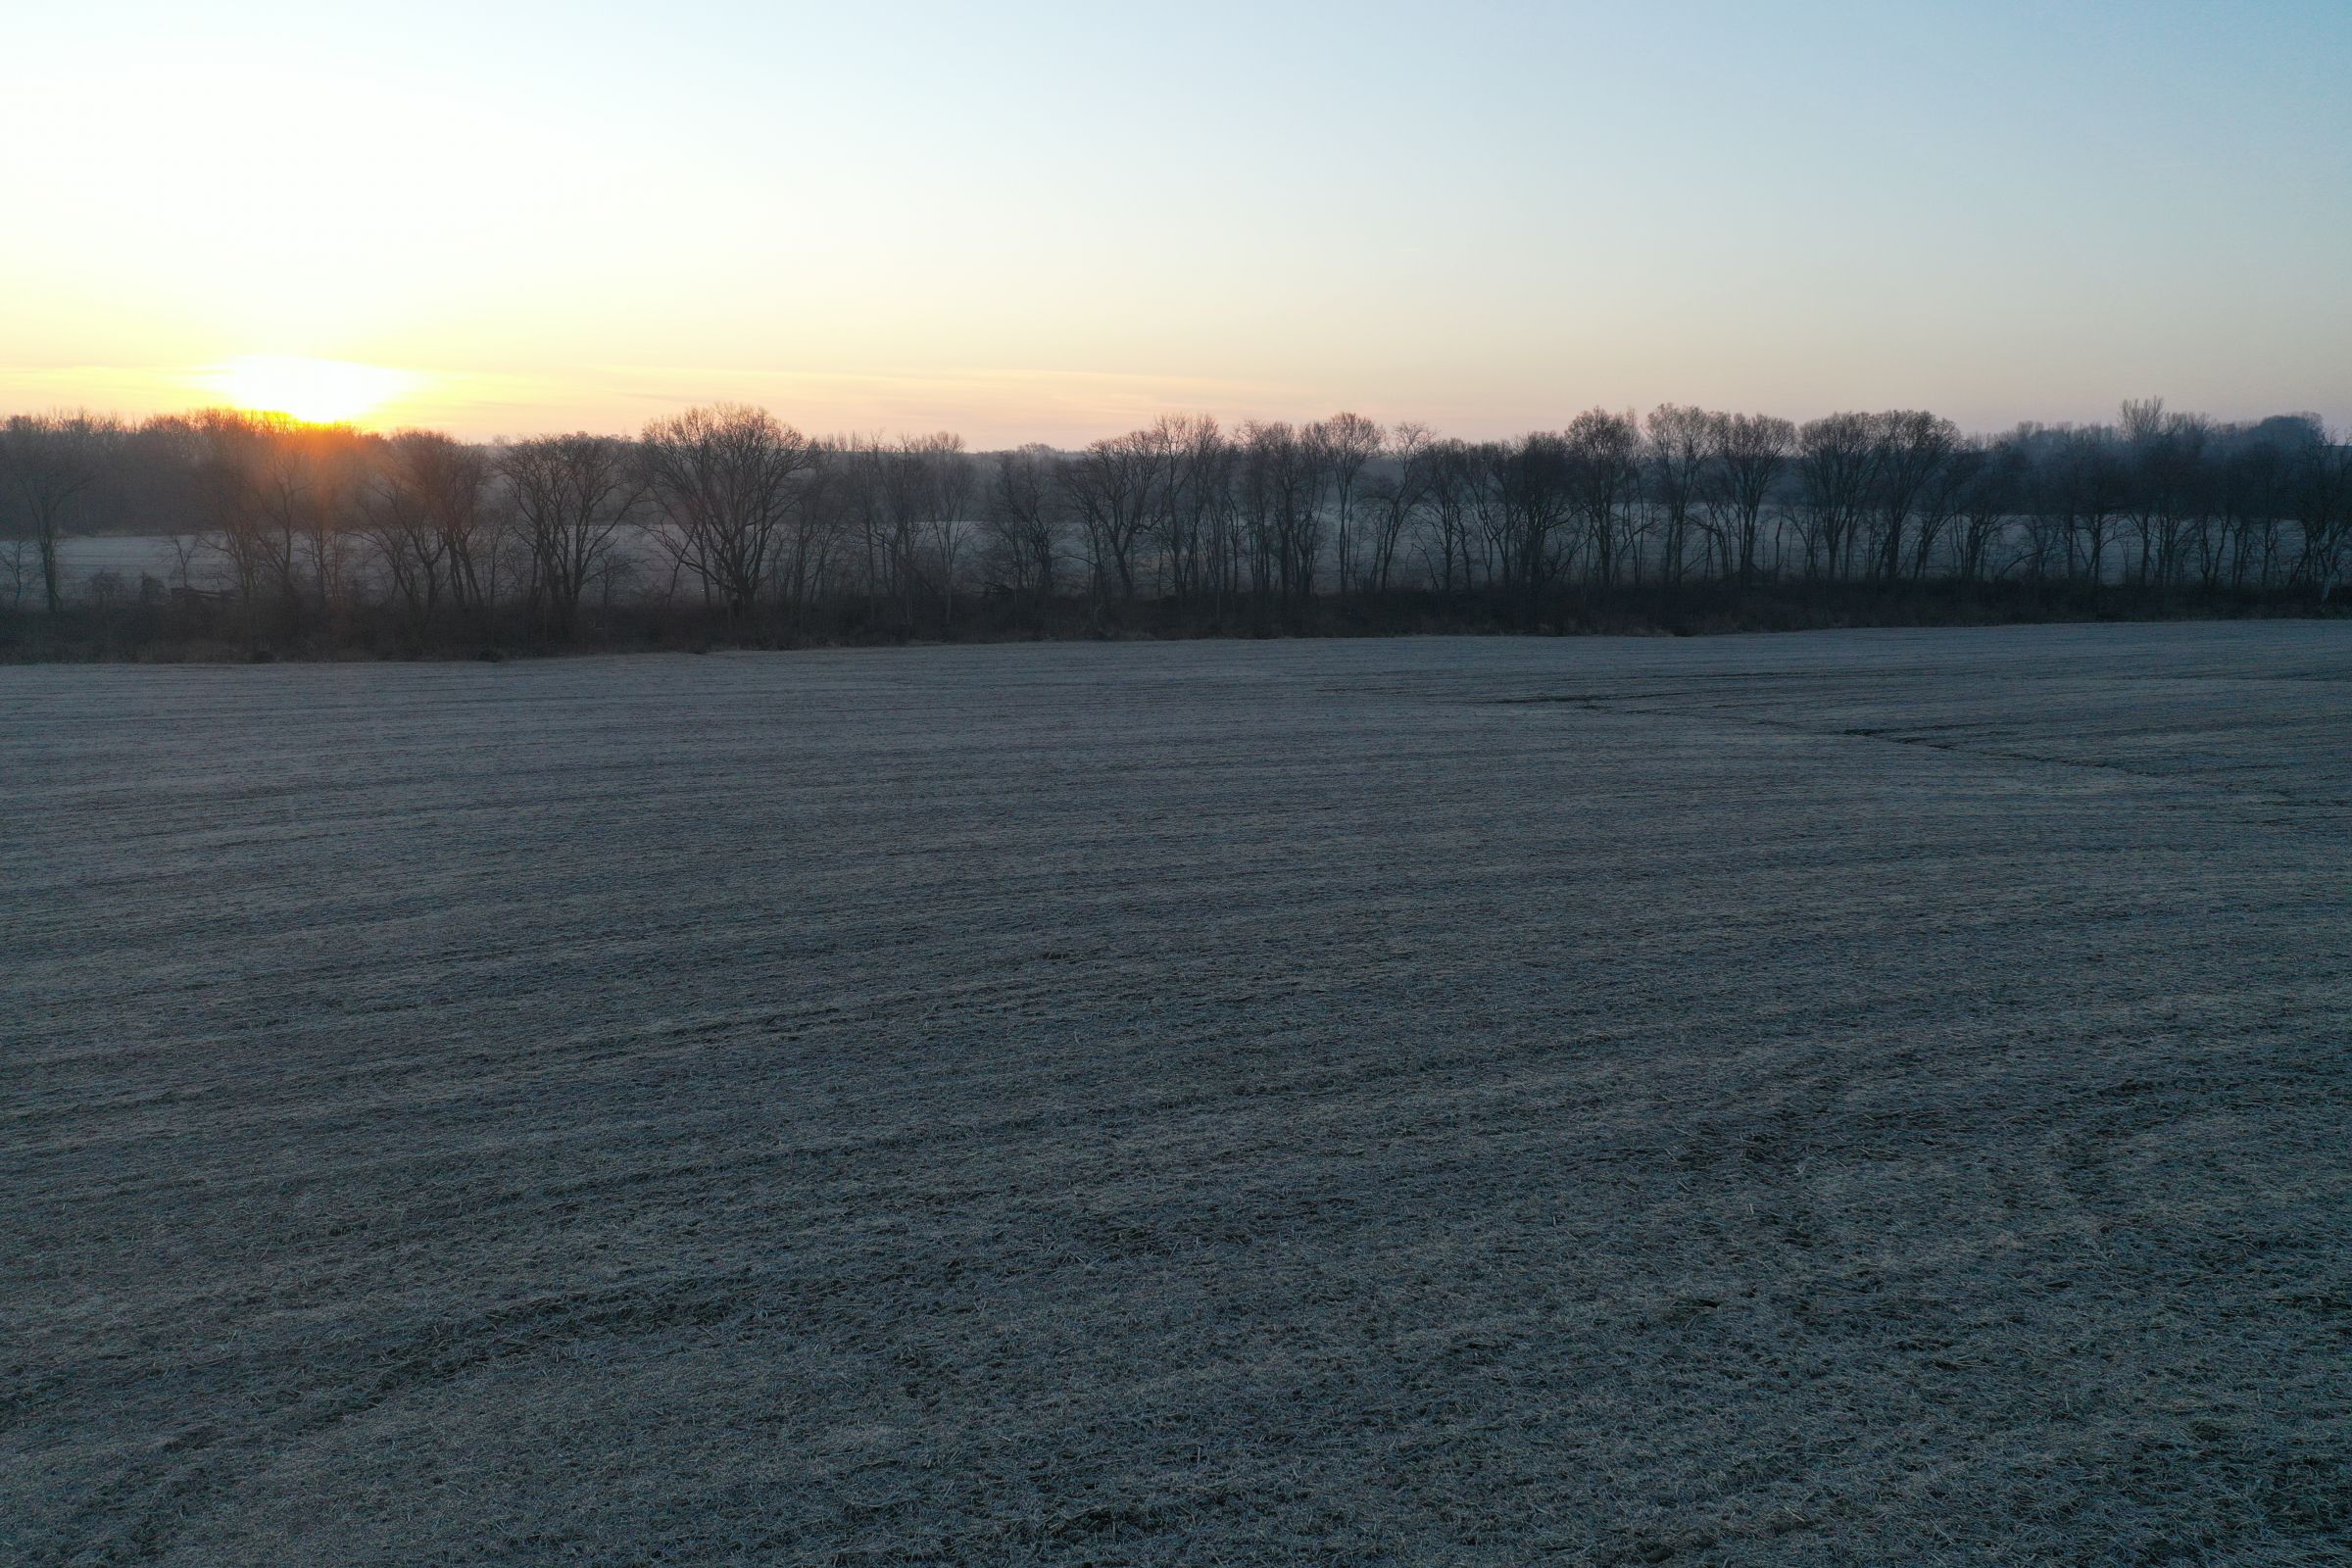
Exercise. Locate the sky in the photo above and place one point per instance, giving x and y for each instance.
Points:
(1053, 222)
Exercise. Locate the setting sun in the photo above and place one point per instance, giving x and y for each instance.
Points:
(315, 391)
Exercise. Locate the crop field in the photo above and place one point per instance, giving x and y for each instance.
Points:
(1872, 1098)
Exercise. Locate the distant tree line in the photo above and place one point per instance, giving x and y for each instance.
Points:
(724, 523)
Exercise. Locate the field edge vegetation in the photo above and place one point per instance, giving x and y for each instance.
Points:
(723, 526)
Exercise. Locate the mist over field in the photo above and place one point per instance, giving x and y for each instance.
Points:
(1848, 1098)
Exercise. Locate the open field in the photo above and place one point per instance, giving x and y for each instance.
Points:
(1860, 1098)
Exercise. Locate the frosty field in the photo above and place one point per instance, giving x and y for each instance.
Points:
(1858, 1097)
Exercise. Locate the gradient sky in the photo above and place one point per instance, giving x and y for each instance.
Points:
(1047, 221)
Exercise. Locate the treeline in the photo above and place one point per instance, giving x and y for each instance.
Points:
(723, 524)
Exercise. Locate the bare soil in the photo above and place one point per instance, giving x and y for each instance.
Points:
(1855, 1098)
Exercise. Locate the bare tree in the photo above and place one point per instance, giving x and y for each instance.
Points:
(1604, 472)
(726, 479)
(923, 491)
(286, 488)
(1681, 446)
(573, 495)
(1284, 475)
(1909, 448)
(1538, 494)
(449, 483)
(2252, 485)
(230, 446)
(1193, 518)
(1114, 488)
(1024, 522)
(340, 457)
(49, 462)
(813, 554)
(894, 533)
(2144, 428)
(851, 498)
(1460, 483)
(1943, 501)
(1748, 453)
(398, 525)
(953, 479)
(20, 564)
(1994, 492)
(2177, 478)
(2083, 490)
(1342, 445)
(1398, 497)
(2321, 491)
(1837, 461)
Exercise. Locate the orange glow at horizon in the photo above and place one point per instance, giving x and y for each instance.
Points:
(313, 391)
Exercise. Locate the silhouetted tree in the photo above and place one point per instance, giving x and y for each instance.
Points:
(397, 523)
(1114, 488)
(1460, 487)
(1837, 464)
(1281, 486)
(1342, 445)
(1993, 488)
(1024, 522)
(449, 482)
(2321, 497)
(1939, 502)
(2084, 489)
(1909, 449)
(330, 536)
(49, 462)
(1536, 492)
(1603, 469)
(572, 496)
(1195, 519)
(1748, 452)
(1397, 498)
(1679, 452)
(726, 479)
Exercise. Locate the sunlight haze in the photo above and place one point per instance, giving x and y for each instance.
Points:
(1050, 223)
